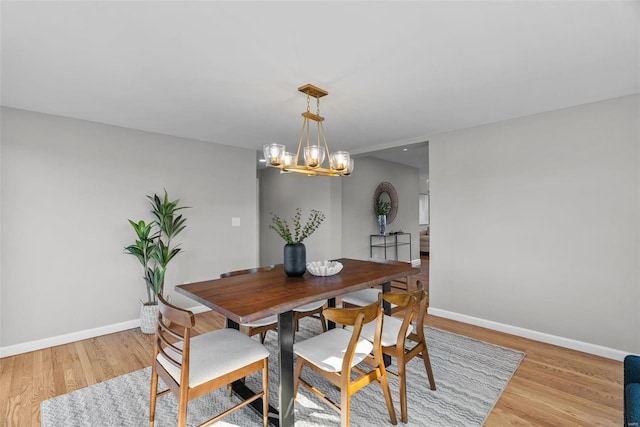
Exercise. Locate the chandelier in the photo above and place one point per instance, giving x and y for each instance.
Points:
(314, 153)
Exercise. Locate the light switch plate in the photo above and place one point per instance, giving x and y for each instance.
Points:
(235, 222)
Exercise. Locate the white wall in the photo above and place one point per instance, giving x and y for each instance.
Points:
(68, 187)
(281, 194)
(535, 223)
(358, 217)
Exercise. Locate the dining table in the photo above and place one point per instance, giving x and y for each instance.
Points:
(250, 297)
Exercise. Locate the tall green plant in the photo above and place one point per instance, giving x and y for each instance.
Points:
(153, 245)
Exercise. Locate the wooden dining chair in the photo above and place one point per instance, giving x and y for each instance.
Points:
(364, 297)
(260, 326)
(314, 310)
(402, 340)
(193, 367)
(334, 355)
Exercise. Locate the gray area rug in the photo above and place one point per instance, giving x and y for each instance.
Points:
(470, 377)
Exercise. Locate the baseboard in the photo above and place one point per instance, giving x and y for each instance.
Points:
(572, 344)
(77, 336)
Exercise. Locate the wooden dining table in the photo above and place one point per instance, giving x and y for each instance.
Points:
(249, 297)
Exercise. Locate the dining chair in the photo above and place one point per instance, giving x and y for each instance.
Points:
(194, 366)
(313, 309)
(370, 295)
(262, 326)
(334, 355)
(362, 297)
(403, 340)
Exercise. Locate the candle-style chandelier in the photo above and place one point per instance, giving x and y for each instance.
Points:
(314, 153)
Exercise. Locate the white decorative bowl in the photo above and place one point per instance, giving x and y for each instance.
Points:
(324, 268)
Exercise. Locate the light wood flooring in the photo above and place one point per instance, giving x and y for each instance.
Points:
(552, 387)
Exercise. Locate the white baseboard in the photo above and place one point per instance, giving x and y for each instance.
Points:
(77, 336)
(598, 350)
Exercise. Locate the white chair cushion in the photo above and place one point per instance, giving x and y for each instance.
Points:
(214, 354)
(362, 297)
(311, 306)
(327, 350)
(390, 329)
(262, 322)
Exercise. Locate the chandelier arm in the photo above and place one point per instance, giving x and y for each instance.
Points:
(304, 122)
(306, 118)
(326, 146)
(319, 125)
(313, 172)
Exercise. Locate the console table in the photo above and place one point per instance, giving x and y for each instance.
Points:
(394, 240)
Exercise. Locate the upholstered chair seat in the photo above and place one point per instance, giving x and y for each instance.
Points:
(391, 328)
(327, 350)
(362, 297)
(215, 354)
(269, 320)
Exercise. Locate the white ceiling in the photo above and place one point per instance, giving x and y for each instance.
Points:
(396, 72)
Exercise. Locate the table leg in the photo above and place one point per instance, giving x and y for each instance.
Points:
(386, 306)
(232, 324)
(285, 366)
(331, 303)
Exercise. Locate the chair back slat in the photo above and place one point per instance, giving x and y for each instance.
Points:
(170, 359)
(174, 326)
(164, 343)
(165, 327)
(176, 315)
(401, 299)
(348, 316)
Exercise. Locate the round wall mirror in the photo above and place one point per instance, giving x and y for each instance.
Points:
(386, 193)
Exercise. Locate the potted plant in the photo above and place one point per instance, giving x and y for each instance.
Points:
(153, 249)
(295, 253)
(382, 208)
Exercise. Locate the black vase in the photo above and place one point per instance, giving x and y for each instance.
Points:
(295, 259)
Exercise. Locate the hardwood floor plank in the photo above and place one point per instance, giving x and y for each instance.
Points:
(7, 367)
(503, 418)
(37, 385)
(85, 363)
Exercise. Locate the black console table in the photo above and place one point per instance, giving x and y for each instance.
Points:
(394, 240)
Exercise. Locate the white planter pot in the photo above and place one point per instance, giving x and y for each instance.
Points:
(148, 318)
